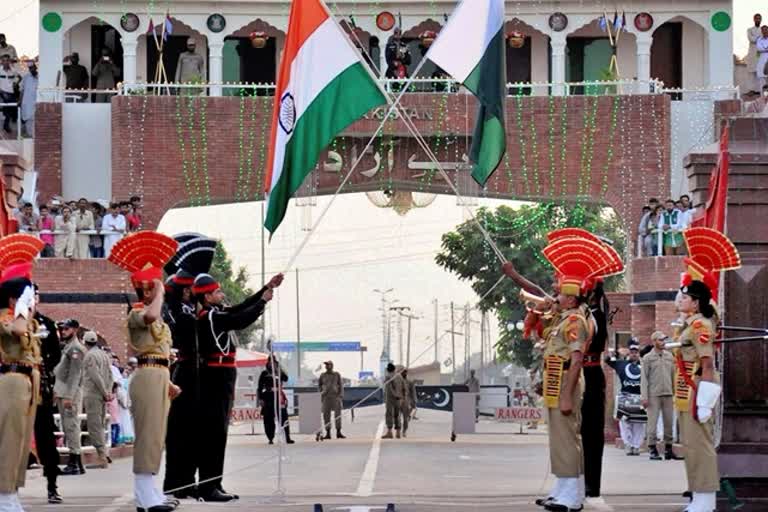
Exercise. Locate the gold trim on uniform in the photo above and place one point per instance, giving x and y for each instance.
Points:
(682, 390)
(554, 370)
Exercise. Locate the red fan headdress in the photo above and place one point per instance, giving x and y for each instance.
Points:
(613, 262)
(710, 252)
(17, 253)
(580, 261)
(143, 254)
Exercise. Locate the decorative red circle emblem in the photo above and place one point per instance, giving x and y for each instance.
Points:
(643, 22)
(385, 20)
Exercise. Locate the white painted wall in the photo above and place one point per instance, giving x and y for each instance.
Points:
(78, 39)
(86, 159)
(694, 54)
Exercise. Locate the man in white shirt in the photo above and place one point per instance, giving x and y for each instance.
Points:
(753, 34)
(113, 228)
(9, 86)
(762, 60)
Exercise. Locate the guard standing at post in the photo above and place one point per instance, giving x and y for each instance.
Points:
(331, 393)
(69, 393)
(578, 262)
(216, 324)
(193, 257)
(697, 384)
(97, 392)
(19, 363)
(45, 427)
(143, 254)
(394, 395)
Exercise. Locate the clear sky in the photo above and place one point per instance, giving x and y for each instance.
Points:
(18, 22)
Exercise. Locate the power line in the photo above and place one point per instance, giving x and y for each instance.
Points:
(18, 10)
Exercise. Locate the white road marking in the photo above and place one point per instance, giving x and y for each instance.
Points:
(597, 504)
(367, 479)
(117, 503)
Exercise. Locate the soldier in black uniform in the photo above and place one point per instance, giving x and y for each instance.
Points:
(593, 405)
(217, 343)
(194, 256)
(45, 439)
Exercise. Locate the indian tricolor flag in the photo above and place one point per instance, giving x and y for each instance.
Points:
(470, 48)
(322, 88)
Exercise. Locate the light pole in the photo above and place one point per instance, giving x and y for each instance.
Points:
(384, 359)
(400, 310)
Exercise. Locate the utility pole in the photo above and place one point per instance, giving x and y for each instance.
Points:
(482, 347)
(298, 331)
(453, 344)
(400, 309)
(408, 345)
(437, 315)
(467, 346)
(263, 279)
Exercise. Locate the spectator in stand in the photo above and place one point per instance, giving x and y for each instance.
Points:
(83, 222)
(29, 99)
(136, 204)
(762, 59)
(654, 226)
(28, 221)
(672, 219)
(642, 231)
(7, 49)
(753, 34)
(105, 74)
(96, 242)
(9, 91)
(113, 227)
(46, 223)
(687, 209)
(133, 223)
(76, 75)
(66, 230)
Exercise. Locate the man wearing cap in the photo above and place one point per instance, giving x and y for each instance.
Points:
(632, 419)
(656, 390)
(331, 394)
(217, 343)
(19, 374)
(69, 394)
(395, 394)
(97, 392)
(191, 66)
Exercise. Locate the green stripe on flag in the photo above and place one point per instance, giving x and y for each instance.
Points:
(343, 101)
(488, 83)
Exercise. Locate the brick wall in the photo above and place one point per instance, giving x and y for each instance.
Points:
(48, 149)
(656, 274)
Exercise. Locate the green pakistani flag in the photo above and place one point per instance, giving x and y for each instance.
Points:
(470, 48)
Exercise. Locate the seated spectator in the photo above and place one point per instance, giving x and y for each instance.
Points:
(113, 227)
(7, 49)
(27, 219)
(96, 242)
(66, 233)
(46, 223)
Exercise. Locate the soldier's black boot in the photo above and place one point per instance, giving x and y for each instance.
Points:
(80, 464)
(339, 435)
(71, 468)
(327, 433)
(669, 454)
(654, 452)
(53, 494)
(288, 439)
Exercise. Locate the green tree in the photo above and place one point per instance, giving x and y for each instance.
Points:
(234, 284)
(520, 234)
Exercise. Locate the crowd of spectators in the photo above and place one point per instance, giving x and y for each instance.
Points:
(661, 226)
(18, 89)
(80, 229)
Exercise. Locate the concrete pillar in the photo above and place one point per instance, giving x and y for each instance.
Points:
(216, 66)
(51, 57)
(130, 42)
(558, 44)
(644, 42)
(720, 58)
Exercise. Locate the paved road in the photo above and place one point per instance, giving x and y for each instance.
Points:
(491, 471)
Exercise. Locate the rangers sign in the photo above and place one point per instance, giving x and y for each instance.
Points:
(519, 414)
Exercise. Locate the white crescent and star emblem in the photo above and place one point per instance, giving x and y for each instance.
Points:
(287, 116)
(444, 402)
(629, 373)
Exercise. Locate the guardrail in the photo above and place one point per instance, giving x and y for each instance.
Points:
(18, 116)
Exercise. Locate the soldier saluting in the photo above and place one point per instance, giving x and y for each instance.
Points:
(217, 344)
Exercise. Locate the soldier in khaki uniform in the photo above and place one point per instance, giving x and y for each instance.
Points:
(394, 394)
(144, 254)
(19, 374)
(578, 262)
(697, 383)
(69, 393)
(409, 404)
(97, 391)
(331, 393)
(656, 389)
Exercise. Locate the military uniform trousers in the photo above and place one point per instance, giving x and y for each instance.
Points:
(700, 454)
(70, 421)
(393, 411)
(182, 438)
(405, 410)
(96, 416)
(332, 404)
(592, 428)
(149, 408)
(217, 392)
(665, 406)
(17, 419)
(45, 440)
(565, 451)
